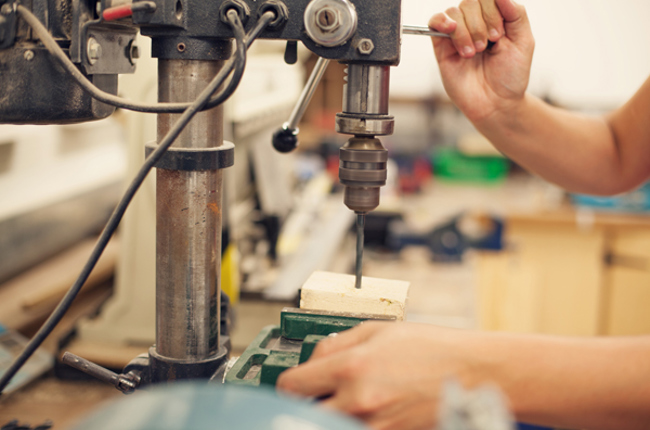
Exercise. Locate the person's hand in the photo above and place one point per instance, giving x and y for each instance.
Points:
(387, 374)
(482, 81)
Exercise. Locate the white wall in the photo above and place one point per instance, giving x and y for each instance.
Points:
(589, 53)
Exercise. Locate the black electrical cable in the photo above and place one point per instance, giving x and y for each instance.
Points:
(113, 100)
(239, 61)
(264, 20)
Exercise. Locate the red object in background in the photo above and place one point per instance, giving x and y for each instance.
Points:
(325, 120)
(414, 175)
(117, 12)
(332, 166)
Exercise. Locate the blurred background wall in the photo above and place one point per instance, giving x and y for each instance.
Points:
(588, 52)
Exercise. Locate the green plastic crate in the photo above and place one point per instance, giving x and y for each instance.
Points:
(450, 164)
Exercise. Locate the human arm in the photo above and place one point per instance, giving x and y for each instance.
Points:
(590, 154)
(390, 375)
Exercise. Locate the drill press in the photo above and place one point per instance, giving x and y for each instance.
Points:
(191, 39)
(362, 171)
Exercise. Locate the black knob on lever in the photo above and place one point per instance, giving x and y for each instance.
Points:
(285, 139)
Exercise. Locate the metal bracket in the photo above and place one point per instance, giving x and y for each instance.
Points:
(113, 50)
(102, 48)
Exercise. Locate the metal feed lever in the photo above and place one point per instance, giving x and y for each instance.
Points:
(426, 31)
(422, 31)
(286, 138)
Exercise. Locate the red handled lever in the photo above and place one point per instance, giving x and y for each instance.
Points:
(126, 10)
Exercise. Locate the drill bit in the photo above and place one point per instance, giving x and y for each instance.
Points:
(361, 223)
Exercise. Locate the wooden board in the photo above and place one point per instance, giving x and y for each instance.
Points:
(30, 297)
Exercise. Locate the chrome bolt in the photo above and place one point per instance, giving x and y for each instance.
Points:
(327, 19)
(94, 50)
(330, 23)
(366, 46)
(28, 55)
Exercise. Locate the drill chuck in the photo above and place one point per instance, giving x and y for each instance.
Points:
(362, 170)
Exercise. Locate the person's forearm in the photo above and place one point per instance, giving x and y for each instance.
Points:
(598, 383)
(575, 151)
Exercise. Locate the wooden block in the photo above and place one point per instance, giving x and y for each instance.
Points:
(335, 292)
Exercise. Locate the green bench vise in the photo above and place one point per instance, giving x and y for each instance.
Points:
(277, 348)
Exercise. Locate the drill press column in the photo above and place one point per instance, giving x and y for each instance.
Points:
(188, 224)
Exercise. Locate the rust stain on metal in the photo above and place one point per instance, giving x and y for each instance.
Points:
(214, 208)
